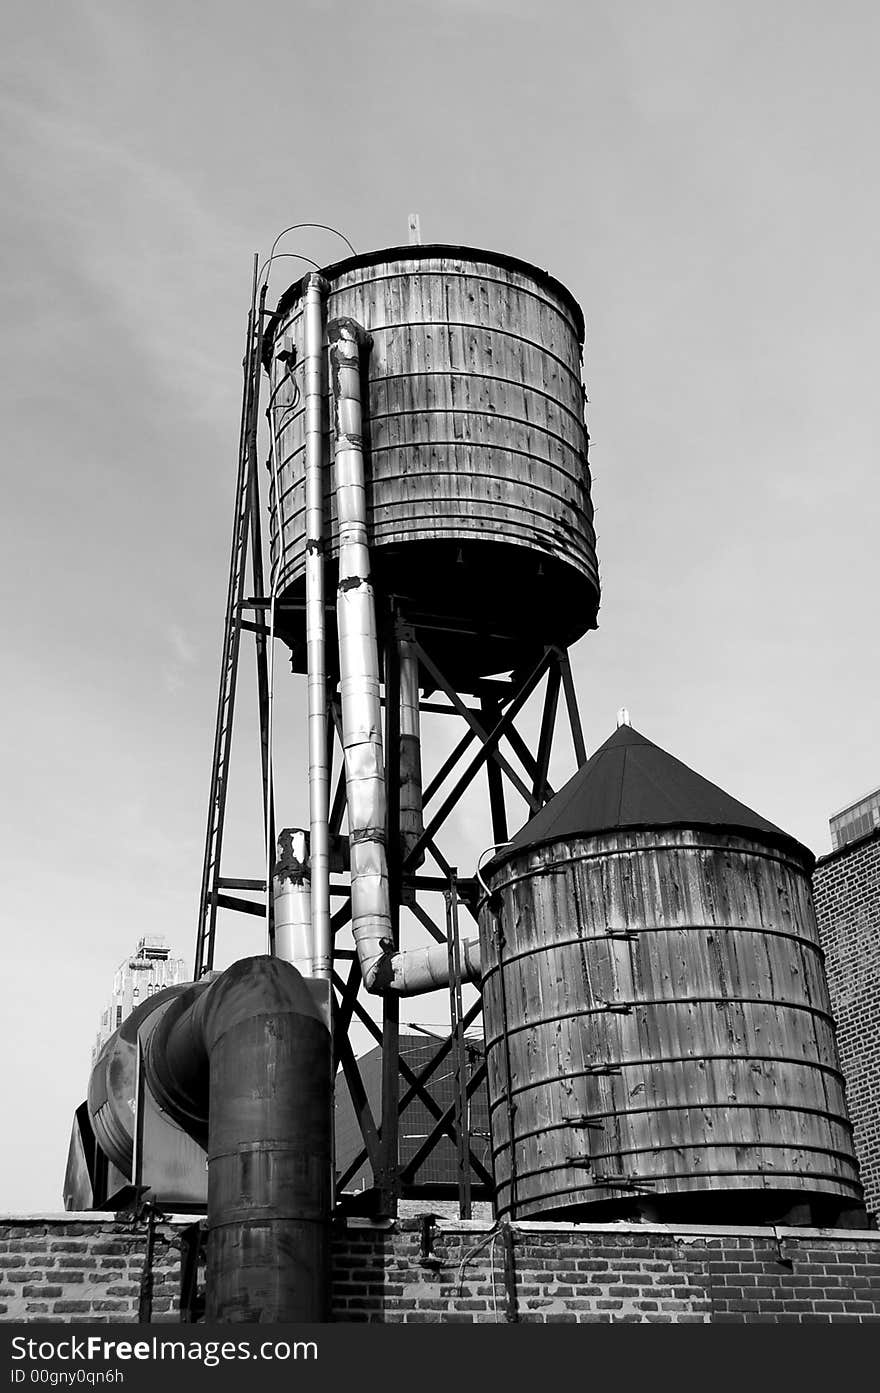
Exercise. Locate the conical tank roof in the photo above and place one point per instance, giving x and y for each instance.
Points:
(631, 783)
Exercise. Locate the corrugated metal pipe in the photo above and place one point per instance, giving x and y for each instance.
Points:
(382, 968)
(242, 1062)
(316, 627)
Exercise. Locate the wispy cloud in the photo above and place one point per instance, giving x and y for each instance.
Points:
(184, 655)
(134, 231)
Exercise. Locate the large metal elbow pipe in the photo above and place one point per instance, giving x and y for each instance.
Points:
(244, 1061)
(425, 969)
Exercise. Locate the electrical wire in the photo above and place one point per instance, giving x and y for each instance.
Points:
(280, 256)
(324, 227)
(491, 1238)
(294, 227)
(289, 405)
(496, 846)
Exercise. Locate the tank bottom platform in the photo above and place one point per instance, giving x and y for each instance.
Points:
(479, 609)
(793, 1208)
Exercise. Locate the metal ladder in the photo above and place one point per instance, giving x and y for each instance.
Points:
(246, 530)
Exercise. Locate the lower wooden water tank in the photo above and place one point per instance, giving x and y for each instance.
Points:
(659, 1035)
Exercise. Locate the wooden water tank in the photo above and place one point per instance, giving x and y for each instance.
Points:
(658, 1028)
(480, 517)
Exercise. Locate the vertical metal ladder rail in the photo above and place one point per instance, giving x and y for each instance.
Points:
(244, 507)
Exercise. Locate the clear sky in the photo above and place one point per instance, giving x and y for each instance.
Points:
(703, 176)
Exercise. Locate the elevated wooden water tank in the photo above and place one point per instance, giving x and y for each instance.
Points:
(479, 507)
(658, 1028)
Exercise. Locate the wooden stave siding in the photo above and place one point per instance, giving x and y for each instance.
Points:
(475, 489)
(663, 880)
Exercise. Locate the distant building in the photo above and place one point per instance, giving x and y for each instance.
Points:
(148, 970)
(856, 821)
(416, 1122)
(846, 889)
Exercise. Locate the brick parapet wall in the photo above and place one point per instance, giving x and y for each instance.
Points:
(607, 1273)
(87, 1269)
(846, 890)
(84, 1269)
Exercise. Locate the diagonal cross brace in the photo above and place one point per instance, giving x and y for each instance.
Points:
(428, 1099)
(489, 742)
(476, 726)
(445, 1124)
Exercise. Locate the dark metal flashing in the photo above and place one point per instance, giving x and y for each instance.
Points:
(631, 785)
(857, 844)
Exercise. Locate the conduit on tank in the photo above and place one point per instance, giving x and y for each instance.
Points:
(242, 1063)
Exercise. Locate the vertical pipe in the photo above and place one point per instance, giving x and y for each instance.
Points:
(456, 1014)
(247, 1058)
(291, 893)
(145, 1297)
(492, 715)
(269, 1153)
(316, 629)
(389, 1184)
(574, 716)
(411, 822)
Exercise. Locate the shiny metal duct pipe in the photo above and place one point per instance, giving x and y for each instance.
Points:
(425, 969)
(382, 969)
(292, 896)
(411, 824)
(316, 628)
(359, 662)
(246, 1059)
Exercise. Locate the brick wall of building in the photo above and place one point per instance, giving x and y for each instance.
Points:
(84, 1269)
(846, 889)
(88, 1270)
